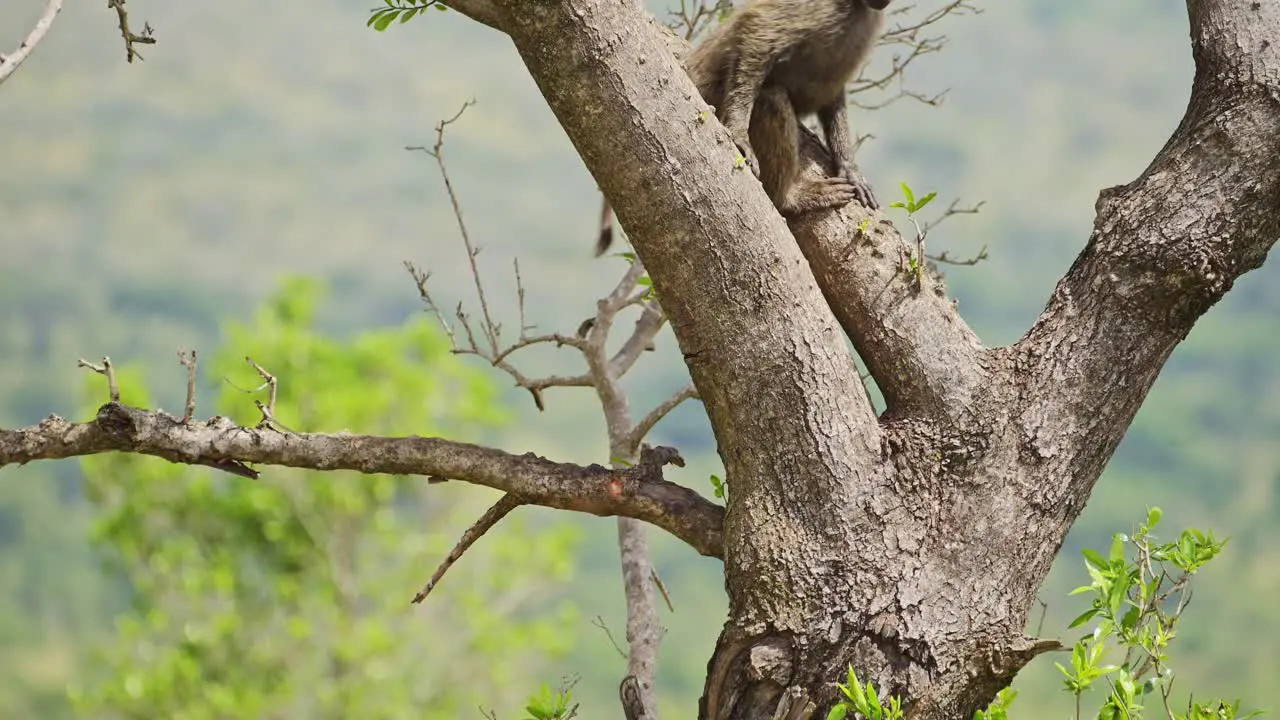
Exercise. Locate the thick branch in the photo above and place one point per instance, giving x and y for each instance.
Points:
(484, 12)
(725, 266)
(9, 63)
(638, 492)
(922, 354)
(1165, 248)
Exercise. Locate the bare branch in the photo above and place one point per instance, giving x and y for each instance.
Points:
(188, 361)
(641, 340)
(491, 329)
(638, 492)
(491, 517)
(131, 38)
(655, 415)
(911, 36)
(491, 350)
(600, 623)
(107, 370)
(9, 63)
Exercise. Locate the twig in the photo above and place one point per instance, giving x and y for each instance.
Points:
(188, 361)
(694, 17)
(104, 369)
(491, 517)
(131, 38)
(918, 45)
(9, 63)
(642, 428)
(492, 329)
(945, 259)
(952, 210)
(662, 588)
(270, 382)
(600, 623)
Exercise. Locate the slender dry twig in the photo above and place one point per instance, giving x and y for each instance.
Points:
(662, 588)
(10, 62)
(491, 517)
(695, 16)
(188, 361)
(107, 370)
(911, 36)
(952, 210)
(131, 38)
(600, 623)
(655, 415)
(492, 330)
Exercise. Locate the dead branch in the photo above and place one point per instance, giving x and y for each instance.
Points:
(640, 492)
(9, 63)
(655, 415)
(918, 44)
(491, 517)
(131, 38)
(106, 370)
(188, 361)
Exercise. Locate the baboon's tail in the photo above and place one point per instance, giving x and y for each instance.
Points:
(605, 239)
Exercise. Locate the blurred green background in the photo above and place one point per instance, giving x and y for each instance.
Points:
(170, 203)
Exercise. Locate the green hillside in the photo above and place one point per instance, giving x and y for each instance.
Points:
(142, 205)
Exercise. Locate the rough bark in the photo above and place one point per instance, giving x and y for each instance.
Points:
(910, 547)
(638, 492)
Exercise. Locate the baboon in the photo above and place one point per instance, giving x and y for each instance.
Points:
(770, 64)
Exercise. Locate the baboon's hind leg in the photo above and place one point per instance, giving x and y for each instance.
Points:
(775, 138)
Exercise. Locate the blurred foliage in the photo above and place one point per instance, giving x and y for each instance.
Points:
(144, 205)
(287, 596)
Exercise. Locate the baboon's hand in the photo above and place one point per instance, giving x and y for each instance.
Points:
(748, 155)
(861, 189)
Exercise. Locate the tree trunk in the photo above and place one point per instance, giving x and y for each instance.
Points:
(909, 546)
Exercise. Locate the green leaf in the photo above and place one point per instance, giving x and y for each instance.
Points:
(911, 197)
(384, 22)
(926, 200)
(1083, 618)
(1117, 548)
(1095, 558)
(1153, 517)
(838, 712)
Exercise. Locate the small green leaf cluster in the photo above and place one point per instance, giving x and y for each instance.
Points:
(550, 704)
(1137, 602)
(404, 10)
(912, 206)
(864, 702)
(719, 487)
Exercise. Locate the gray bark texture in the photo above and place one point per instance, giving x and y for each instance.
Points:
(910, 545)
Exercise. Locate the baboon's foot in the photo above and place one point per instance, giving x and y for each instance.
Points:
(862, 188)
(826, 193)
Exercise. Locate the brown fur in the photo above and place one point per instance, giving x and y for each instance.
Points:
(772, 63)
